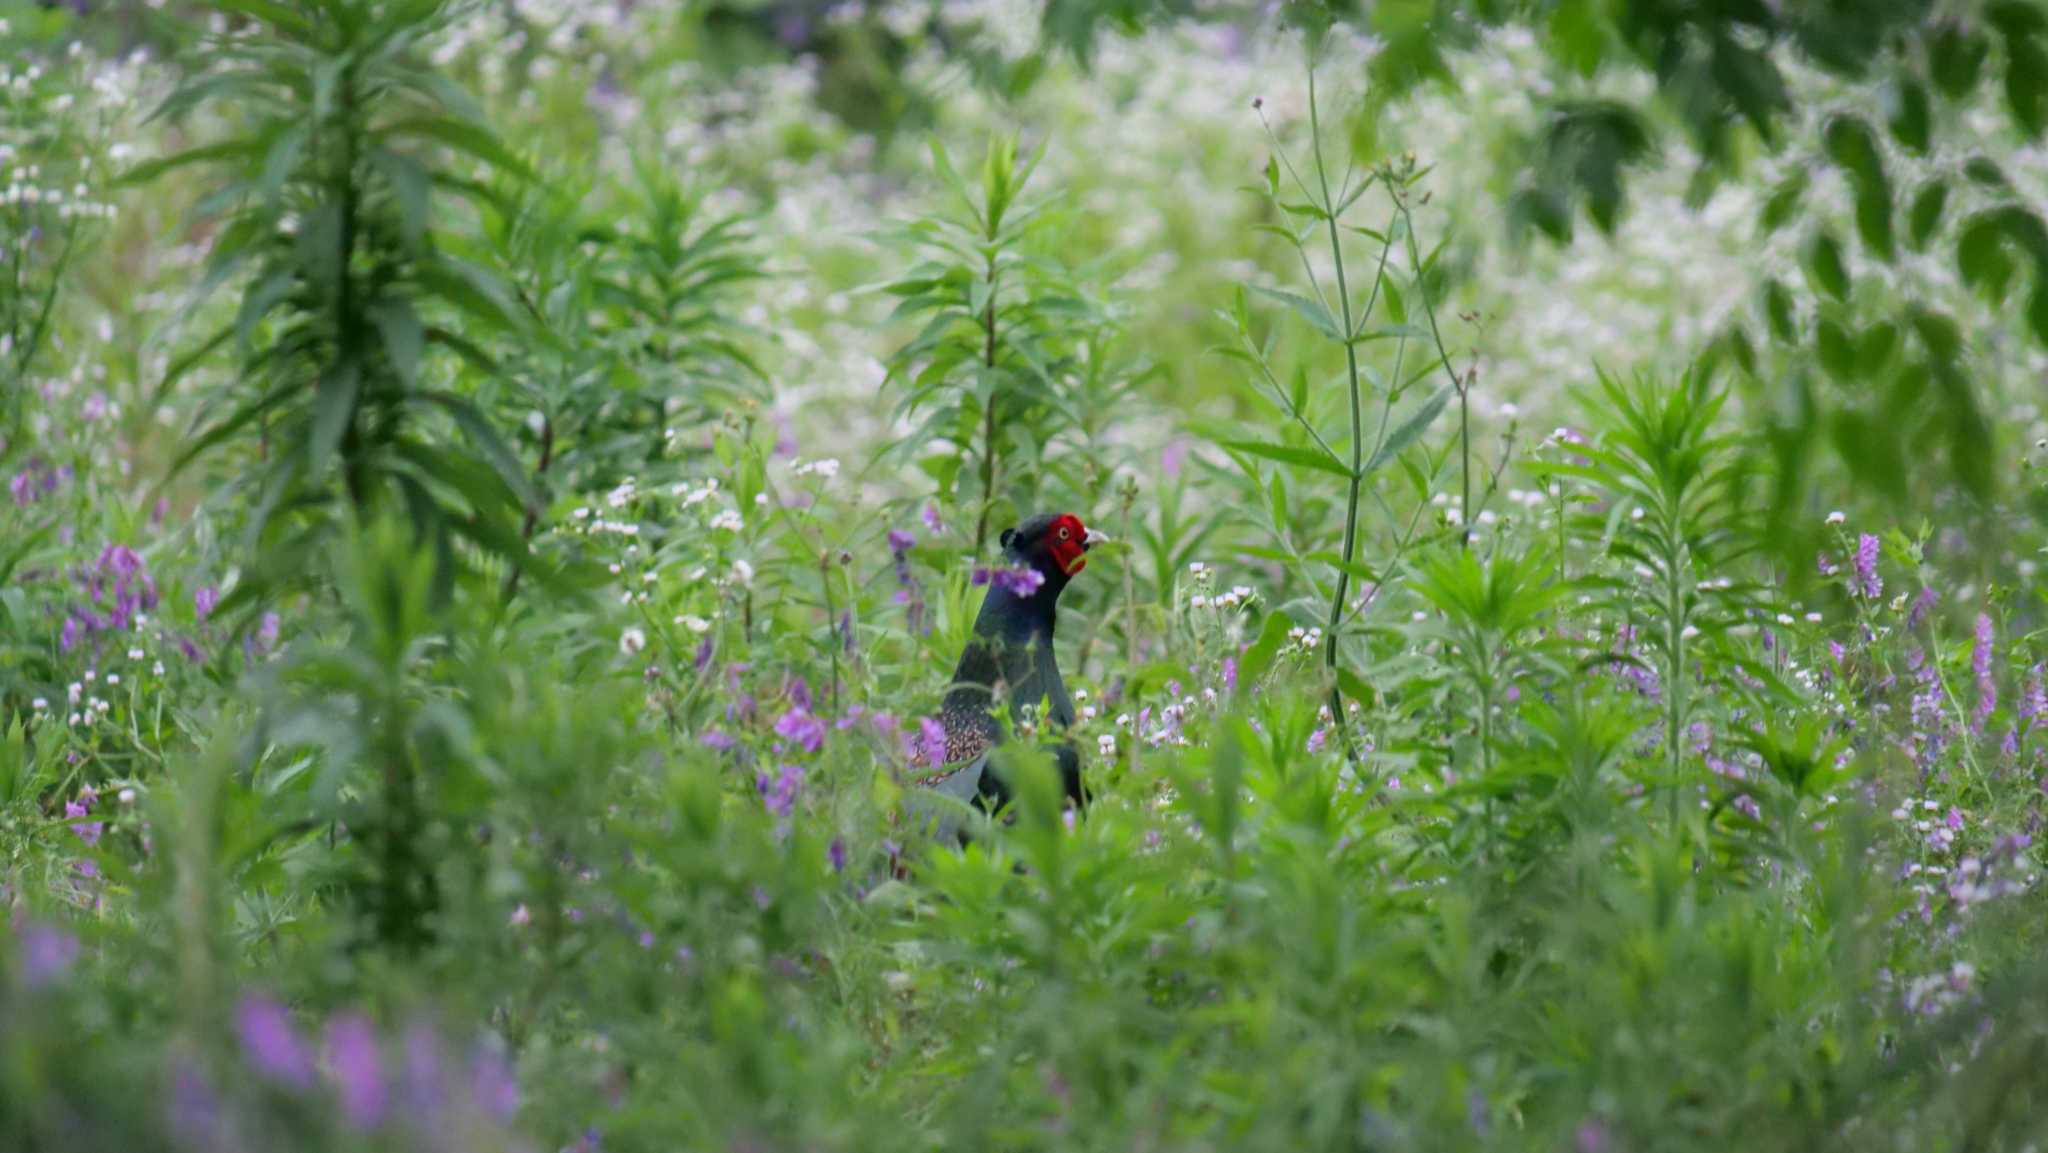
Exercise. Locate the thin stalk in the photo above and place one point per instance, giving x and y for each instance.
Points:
(1357, 479)
(1464, 387)
(532, 521)
(988, 416)
(1674, 674)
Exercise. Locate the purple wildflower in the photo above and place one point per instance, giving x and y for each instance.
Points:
(778, 793)
(1229, 674)
(1173, 456)
(271, 1045)
(802, 727)
(1922, 605)
(836, 855)
(1826, 565)
(900, 541)
(423, 1085)
(1980, 666)
(358, 1071)
(47, 953)
(1018, 582)
(87, 831)
(1869, 585)
(2033, 704)
(933, 736)
(932, 523)
(716, 740)
(264, 640)
(492, 1084)
(1317, 739)
(193, 1109)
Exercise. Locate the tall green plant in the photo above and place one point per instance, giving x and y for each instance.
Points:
(1319, 225)
(1670, 525)
(1001, 328)
(332, 195)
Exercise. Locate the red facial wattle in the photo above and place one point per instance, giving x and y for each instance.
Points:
(1069, 545)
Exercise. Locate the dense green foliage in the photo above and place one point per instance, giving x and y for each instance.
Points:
(496, 490)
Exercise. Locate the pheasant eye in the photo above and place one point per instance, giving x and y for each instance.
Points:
(1066, 533)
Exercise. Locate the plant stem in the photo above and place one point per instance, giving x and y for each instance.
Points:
(1674, 673)
(988, 415)
(1357, 479)
(532, 521)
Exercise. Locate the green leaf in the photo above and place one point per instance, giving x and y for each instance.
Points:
(1837, 353)
(473, 139)
(1824, 265)
(2026, 84)
(1875, 350)
(1310, 310)
(1923, 219)
(1985, 172)
(237, 149)
(404, 337)
(1314, 458)
(411, 187)
(1981, 256)
(1911, 115)
(1955, 58)
(1407, 432)
(1785, 200)
(1259, 656)
(490, 444)
(1851, 144)
(1779, 314)
(334, 411)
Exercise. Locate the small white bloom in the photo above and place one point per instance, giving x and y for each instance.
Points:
(135, 654)
(113, 678)
(126, 796)
(742, 573)
(632, 641)
(40, 705)
(1837, 517)
(1107, 743)
(729, 520)
(695, 624)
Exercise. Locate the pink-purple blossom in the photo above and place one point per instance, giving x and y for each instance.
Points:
(358, 1070)
(1018, 581)
(271, 1044)
(803, 727)
(47, 954)
(1869, 585)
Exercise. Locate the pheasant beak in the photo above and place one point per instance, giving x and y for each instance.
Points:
(1093, 538)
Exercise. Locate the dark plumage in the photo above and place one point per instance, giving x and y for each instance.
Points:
(1012, 654)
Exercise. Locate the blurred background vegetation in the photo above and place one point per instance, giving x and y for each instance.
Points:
(494, 487)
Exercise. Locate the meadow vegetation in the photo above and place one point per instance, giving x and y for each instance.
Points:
(496, 492)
